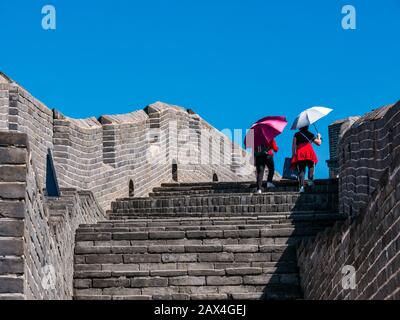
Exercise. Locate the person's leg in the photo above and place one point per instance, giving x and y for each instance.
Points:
(271, 168)
(311, 167)
(302, 171)
(260, 175)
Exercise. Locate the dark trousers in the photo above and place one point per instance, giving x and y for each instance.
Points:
(302, 165)
(261, 163)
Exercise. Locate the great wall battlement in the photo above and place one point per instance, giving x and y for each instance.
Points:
(109, 154)
(140, 214)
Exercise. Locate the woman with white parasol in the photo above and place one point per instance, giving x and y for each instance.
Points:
(303, 154)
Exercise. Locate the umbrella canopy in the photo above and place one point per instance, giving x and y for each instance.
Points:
(265, 130)
(310, 116)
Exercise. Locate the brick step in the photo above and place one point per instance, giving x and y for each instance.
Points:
(244, 189)
(266, 209)
(191, 254)
(199, 234)
(195, 226)
(159, 249)
(204, 241)
(176, 279)
(267, 266)
(246, 184)
(278, 208)
(226, 272)
(261, 292)
(217, 219)
(224, 199)
(164, 215)
(250, 189)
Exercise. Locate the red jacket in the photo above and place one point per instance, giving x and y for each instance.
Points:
(274, 147)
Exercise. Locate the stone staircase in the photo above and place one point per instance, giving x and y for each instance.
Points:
(202, 241)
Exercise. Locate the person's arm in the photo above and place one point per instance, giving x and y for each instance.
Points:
(294, 147)
(318, 140)
(274, 146)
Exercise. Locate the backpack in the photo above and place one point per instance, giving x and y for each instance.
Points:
(261, 151)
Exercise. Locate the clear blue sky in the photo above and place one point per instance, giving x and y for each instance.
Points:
(232, 61)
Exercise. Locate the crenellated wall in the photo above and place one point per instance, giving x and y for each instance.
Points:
(359, 258)
(365, 151)
(96, 161)
(104, 155)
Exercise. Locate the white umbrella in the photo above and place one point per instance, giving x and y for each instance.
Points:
(310, 116)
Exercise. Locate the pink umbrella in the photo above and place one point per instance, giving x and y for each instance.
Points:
(265, 130)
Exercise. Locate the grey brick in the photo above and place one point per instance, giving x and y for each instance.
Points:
(11, 228)
(11, 265)
(187, 281)
(206, 272)
(149, 282)
(12, 191)
(243, 271)
(241, 248)
(11, 285)
(168, 273)
(82, 283)
(223, 281)
(13, 156)
(12, 173)
(203, 248)
(142, 258)
(106, 283)
(216, 257)
(12, 209)
(166, 249)
(167, 235)
(12, 247)
(179, 257)
(261, 280)
(103, 258)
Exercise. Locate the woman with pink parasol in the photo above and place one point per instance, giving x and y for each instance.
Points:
(261, 139)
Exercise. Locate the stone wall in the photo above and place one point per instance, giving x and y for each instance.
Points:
(336, 132)
(369, 243)
(369, 195)
(104, 155)
(13, 166)
(4, 101)
(365, 151)
(28, 115)
(37, 234)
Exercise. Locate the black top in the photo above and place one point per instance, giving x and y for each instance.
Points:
(302, 136)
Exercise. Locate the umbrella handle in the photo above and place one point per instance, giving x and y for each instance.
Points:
(317, 130)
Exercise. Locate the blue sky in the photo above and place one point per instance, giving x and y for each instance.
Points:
(232, 61)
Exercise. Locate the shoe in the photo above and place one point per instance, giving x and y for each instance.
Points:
(270, 185)
(258, 191)
(302, 189)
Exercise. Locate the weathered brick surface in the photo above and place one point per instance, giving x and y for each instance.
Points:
(108, 154)
(12, 212)
(336, 132)
(4, 102)
(36, 231)
(368, 241)
(201, 254)
(364, 152)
